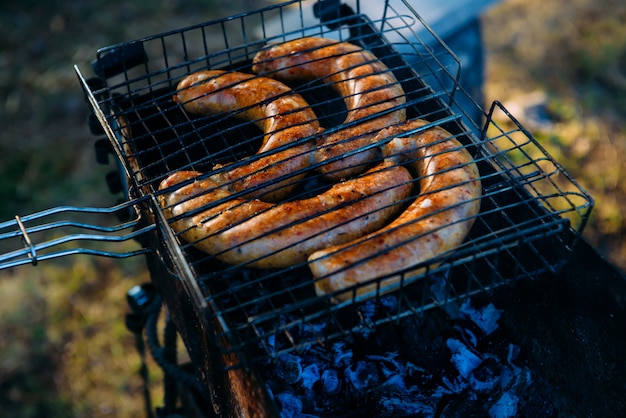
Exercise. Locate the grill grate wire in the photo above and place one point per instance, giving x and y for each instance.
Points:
(532, 211)
(528, 201)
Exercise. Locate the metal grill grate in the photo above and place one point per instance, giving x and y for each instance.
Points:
(531, 211)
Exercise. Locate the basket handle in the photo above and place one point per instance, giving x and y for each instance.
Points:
(55, 243)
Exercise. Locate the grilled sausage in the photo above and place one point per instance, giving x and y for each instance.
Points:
(284, 117)
(372, 95)
(435, 223)
(266, 235)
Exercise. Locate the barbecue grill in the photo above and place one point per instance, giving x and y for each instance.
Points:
(237, 320)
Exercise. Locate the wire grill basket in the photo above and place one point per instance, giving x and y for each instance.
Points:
(531, 213)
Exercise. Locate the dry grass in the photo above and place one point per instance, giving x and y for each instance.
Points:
(64, 349)
(573, 52)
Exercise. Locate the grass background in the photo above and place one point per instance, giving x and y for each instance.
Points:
(64, 350)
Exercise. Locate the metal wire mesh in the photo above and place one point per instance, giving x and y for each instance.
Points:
(531, 210)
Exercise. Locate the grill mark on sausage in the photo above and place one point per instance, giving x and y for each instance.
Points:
(373, 96)
(436, 222)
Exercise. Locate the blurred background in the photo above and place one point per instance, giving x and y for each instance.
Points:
(559, 66)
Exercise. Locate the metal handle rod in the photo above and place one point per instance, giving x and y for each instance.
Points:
(66, 223)
(76, 251)
(33, 252)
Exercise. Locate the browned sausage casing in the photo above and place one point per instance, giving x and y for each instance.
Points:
(266, 235)
(372, 94)
(436, 222)
(285, 118)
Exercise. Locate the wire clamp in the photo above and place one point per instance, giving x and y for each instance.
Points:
(26, 241)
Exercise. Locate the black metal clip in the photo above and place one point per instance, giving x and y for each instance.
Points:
(332, 13)
(119, 59)
(335, 14)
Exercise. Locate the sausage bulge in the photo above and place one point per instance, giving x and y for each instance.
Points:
(436, 222)
(266, 235)
(373, 96)
(283, 116)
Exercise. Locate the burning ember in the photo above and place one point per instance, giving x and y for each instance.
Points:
(455, 362)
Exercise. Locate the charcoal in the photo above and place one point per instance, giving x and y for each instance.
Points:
(342, 354)
(389, 303)
(486, 375)
(290, 404)
(394, 405)
(361, 376)
(505, 406)
(388, 365)
(311, 374)
(396, 383)
(463, 358)
(421, 366)
(486, 317)
(330, 382)
(289, 368)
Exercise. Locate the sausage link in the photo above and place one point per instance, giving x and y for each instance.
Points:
(283, 116)
(266, 235)
(436, 222)
(372, 94)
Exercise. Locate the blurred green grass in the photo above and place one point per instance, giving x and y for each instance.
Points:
(63, 346)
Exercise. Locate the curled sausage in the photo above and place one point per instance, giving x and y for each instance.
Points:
(372, 95)
(265, 235)
(283, 116)
(436, 222)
